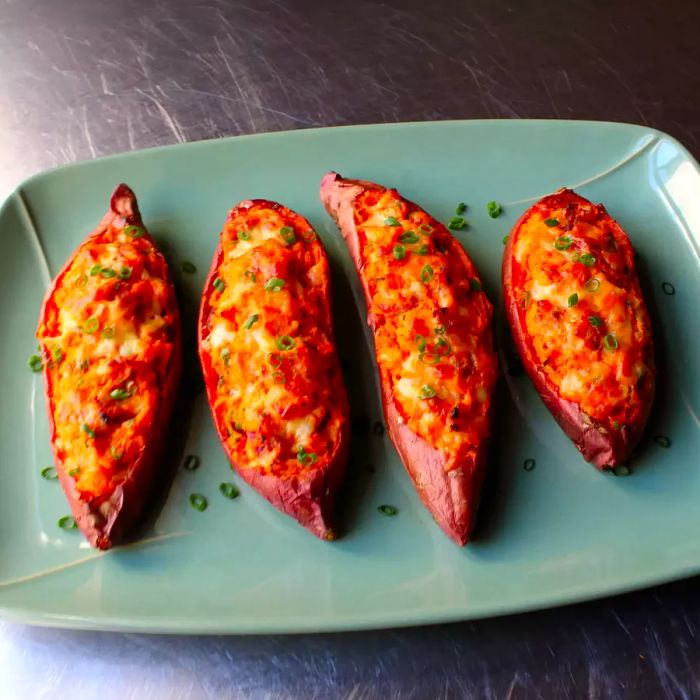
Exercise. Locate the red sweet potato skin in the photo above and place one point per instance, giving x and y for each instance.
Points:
(451, 496)
(600, 446)
(110, 523)
(310, 496)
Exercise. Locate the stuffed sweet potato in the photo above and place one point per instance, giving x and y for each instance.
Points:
(109, 331)
(270, 366)
(579, 322)
(433, 342)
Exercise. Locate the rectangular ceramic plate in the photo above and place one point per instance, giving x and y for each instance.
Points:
(558, 533)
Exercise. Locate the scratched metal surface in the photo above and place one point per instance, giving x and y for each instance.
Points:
(83, 78)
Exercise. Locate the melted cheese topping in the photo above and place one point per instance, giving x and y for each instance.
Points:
(431, 321)
(107, 339)
(582, 309)
(270, 364)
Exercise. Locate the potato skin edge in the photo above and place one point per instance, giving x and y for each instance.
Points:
(600, 447)
(129, 499)
(311, 502)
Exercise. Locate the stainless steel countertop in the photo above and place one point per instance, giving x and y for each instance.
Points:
(82, 78)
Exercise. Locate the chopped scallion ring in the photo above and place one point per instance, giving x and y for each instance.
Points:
(134, 231)
(426, 274)
(251, 320)
(285, 343)
(494, 209)
(228, 490)
(563, 243)
(91, 325)
(610, 342)
(592, 285)
(67, 522)
(274, 284)
(391, 221)
(427, 392)
(399, 252)
(409, 237)
(573, 300)
(287, 232)
(551, 222)
(219, 285)
(388, 510)
(34, 363)
(198, 502)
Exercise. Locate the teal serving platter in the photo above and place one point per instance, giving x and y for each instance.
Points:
(551, 528)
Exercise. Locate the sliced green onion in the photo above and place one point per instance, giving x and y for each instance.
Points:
(108, 333)
(587, 259)
(219, 285)
(494, 209)
(456, 223)
(443, 347)
(34, 363)
(74, 472)
(274, 284)
(285, 343)
(287, 232)
(187, 267)
(125, 271)
(427, 229)
(309, 235)
(422, 250)
(660, 440)
(592, 285)
(67, 522)
(251, 276)
(391, 221)
(108, 273)
(95, 270)
(243, 235)
(505, 239)
(116, 456)
(82, 280)
(573, 300)
(198, 502)
(409, 237)
(399, 252)
(419, 340)
(306, 458)
(430, 358)
(119, 394)
(134, 231)
(551, 222)
(426, 274)
(529, 465)
(427, 392)
(49, 473)
(621, 470)
(475, 284)
(595, 321)
(274, 359)
(388, 510)
(563, 243)
(225, 353)
(610, 342)
(279, 377)
(91, 325)
(460, 208)
(228, 490)
(87, 430)
(191, 463)
(57, 353)
(668, 288)
(251, 320)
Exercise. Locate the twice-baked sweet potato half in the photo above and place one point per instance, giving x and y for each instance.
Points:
(270, 365)
(579, 322)
(433, 342)
(109, 332)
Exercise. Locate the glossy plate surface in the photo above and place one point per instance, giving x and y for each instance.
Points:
(557, 533)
